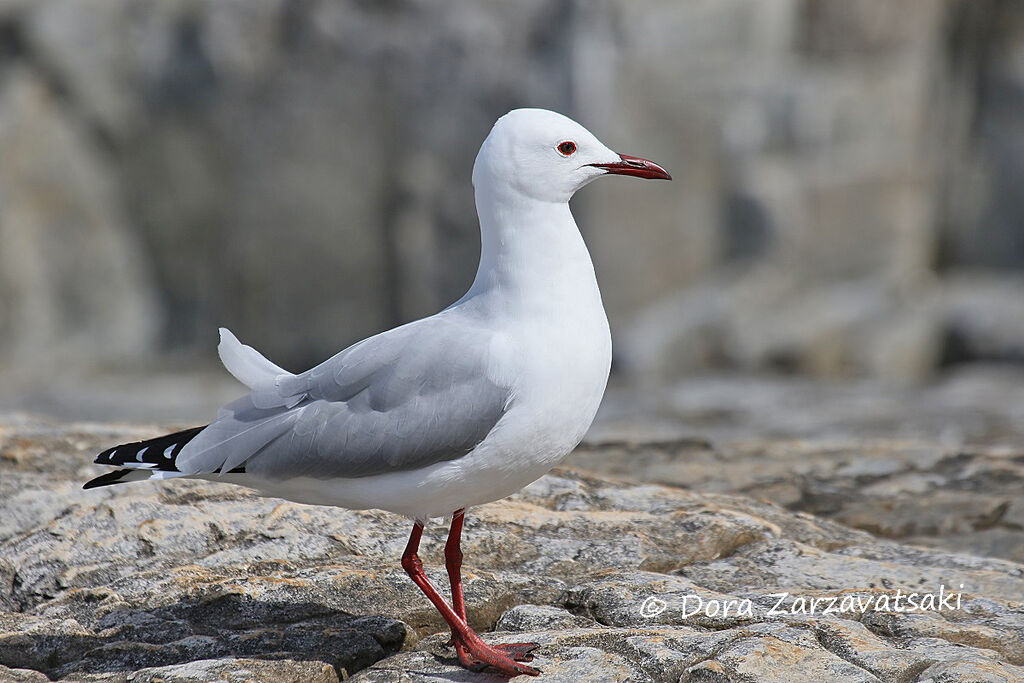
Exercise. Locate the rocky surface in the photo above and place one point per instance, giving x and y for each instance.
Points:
(194, 581)
(960, 499)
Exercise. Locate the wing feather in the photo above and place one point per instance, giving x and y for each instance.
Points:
(404, 399)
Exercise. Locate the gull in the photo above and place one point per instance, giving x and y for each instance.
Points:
(444, 413)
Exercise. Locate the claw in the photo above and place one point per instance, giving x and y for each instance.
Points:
(520, 652)
(503, 658)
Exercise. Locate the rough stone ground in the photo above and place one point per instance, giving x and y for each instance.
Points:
(191, 581)
(961, 499)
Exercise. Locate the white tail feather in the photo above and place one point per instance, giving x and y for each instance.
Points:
(244, 362)
(253, 370)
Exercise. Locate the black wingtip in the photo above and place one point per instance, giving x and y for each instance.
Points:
(104, 457)
(161, 452)
(106, 479)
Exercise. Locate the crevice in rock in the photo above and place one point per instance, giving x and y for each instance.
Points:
(138, 638)
(613, 643)
(915, 671)
(713, 655)
(823, 639)
(993, 518)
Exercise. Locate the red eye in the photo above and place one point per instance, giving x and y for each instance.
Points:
(567, 148)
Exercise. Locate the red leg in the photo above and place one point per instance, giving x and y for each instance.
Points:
(453, 563)
(481, 653)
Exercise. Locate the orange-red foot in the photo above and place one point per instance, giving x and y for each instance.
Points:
(502, 658)
(518, 651)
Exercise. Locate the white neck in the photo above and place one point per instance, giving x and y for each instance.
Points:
(531, 249)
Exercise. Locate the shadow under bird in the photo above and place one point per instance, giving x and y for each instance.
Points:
(455, 410)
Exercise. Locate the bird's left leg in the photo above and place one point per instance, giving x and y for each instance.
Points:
(453, 563)
(479, 653)
(520, 652)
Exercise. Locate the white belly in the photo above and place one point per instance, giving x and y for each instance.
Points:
(501, 465)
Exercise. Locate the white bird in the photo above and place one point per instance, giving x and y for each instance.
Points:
(455, 410)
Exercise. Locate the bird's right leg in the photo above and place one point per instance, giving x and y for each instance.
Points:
(521, 652)
(482, 654)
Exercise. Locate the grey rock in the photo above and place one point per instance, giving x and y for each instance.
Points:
(775, 655)
(21, 676)
(232, 670)
(971, 670)
(959, 499)
(855, 643)
(539, 617)
(194, 581)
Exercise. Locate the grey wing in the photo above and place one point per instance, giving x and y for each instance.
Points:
(405, 399)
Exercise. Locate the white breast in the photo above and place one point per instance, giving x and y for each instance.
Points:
(556, 359)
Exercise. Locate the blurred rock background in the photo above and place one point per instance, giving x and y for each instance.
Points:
(846, 200)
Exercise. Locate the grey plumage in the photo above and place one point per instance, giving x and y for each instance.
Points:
(404, 399)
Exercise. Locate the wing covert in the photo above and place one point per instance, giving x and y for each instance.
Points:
(405, 399)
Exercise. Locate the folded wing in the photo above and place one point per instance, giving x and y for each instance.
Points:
(401, 400)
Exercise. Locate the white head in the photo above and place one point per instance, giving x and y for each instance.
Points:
(546, 156)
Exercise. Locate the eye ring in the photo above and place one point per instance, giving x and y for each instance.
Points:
(566, 148)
